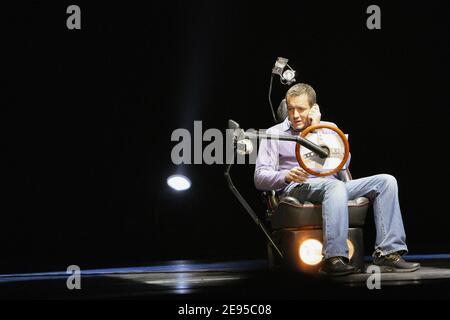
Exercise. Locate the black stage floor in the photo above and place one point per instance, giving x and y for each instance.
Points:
(231, 280)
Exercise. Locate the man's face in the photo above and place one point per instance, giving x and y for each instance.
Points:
(298, 110)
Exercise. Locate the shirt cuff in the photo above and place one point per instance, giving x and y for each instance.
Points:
(281, 182)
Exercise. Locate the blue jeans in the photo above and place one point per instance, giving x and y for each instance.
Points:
(334, 194)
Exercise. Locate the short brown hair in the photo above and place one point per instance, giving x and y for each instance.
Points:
(302, 88)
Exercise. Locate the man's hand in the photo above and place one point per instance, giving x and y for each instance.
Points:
(296, 175)
(314, 115)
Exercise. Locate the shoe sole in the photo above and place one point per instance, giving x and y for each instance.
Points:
(339, 274)
(386, 269)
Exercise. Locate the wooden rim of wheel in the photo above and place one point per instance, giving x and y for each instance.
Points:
(305, 132)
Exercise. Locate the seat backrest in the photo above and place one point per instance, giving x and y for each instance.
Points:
(345, 175)
(282, 112)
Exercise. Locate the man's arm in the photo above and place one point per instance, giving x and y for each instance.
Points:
(267, 174)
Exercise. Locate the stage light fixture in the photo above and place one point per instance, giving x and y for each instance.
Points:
(310, 252)
(178, 182)
(289, 76)
(351, 248)
(286, 76)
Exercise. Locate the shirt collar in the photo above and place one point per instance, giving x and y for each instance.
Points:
(287, 126)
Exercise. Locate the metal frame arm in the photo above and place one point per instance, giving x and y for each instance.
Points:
(322, 152)
(247, 206)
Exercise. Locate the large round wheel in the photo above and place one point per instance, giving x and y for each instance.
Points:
(336, 153)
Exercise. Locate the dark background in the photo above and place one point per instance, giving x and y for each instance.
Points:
(87, 117)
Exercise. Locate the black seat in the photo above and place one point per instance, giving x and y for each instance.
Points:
(291, 213)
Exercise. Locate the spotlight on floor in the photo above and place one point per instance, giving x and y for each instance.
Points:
(178, 182)
(310, 251)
